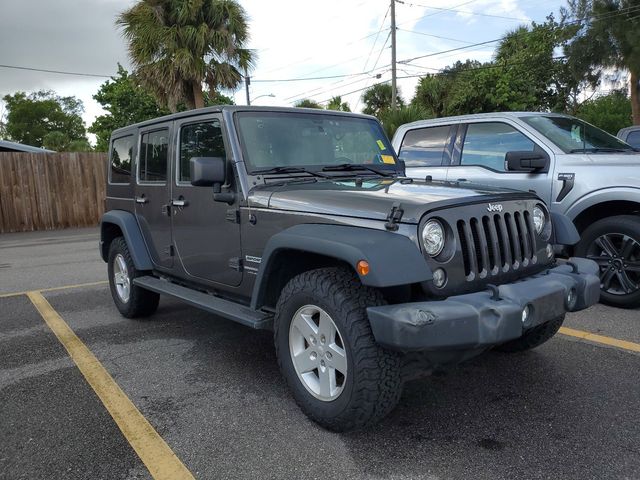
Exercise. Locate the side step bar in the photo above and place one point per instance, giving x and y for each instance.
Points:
(219, 306)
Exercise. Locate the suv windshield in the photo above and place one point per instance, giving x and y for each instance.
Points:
(573, 135)
(276, 142)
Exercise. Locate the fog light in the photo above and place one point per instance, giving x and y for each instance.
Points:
(439, 278)
(549, 251)
(526, 314)
(572, 299)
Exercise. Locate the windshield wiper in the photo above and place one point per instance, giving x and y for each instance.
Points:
(600, 149)
(346, 167)
(275, 170)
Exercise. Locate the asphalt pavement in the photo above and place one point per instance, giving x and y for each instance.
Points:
(212, 390)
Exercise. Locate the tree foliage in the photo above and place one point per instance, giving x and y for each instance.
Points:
(336, 103)
(377, 99)
(125, 102)
(177, 45)
(392, 119)
(43, 118)
(307, 103)
(610, 112)
(608, 36)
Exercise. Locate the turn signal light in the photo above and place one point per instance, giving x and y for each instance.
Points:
(362, 267)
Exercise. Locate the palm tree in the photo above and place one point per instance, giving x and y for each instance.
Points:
(178, 45)
(336, 103)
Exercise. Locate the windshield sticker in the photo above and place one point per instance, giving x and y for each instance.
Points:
(381, 145)
(388, 159)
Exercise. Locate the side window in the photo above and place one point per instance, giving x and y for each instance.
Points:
(120, 161)
(634, 139)
(153, 156)
(199, 140)
(486, 144)
(424, 147)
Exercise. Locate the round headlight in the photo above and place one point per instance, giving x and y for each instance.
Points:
(433, 237)
(539, 219)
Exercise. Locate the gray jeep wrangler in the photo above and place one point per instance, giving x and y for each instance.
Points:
(577, 169)
(303, 222)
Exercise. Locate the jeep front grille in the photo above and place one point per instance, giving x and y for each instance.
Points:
(495, 244)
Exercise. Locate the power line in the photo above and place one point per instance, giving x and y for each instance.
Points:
(376, 39)
(434, 36)
(468, 12)
(60, 72)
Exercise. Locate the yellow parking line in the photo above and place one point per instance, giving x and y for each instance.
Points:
(593, 337)
(154, 452)
(53, 289)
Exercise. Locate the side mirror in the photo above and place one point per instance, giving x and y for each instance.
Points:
(207, 171)
(525, 161)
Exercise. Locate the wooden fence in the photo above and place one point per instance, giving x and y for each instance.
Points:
(46, 191)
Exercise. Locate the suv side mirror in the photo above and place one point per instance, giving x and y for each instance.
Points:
(525, 161)
(207, 171)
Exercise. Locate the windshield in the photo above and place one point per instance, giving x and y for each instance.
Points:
(288, 141)
(573, 135)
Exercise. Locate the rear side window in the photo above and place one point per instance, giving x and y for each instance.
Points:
(154, 147)
(634, 139)
(199, 140)
(424, 147)
(120, 160)
(486, 144)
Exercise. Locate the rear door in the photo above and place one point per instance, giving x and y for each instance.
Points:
(206, 233)
(152, 192)
(427, 151)
(479, 157)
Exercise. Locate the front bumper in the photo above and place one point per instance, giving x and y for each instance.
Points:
(483, 319)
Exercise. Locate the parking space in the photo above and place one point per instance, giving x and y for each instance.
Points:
(212, 391)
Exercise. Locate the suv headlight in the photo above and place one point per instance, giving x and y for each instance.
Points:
(433, 237)
(539, 219)
(541, 223)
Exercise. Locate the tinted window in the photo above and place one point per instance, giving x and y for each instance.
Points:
(575, 136)
(121, 152)
(153, 156)
(424, 147)
(486, 144)
(634, 139)
(199, 140)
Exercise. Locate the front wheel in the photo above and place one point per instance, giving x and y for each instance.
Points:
(340, 377)
(614, 244)
(131, 300)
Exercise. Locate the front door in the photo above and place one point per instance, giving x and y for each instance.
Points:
(152, 193)
(206, 233)
(481, 158)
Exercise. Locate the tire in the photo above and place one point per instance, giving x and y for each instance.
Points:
(371, 385)
(532, 338)
(138, 302)
(614, 243)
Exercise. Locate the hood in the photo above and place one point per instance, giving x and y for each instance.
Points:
(373, 198)
(604, 169)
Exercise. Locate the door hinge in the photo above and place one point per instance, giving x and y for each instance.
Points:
(170, 251)
(233, 215)
(235, 263)
(394, 217)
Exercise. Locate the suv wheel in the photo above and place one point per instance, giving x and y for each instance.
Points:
(132, 301)
(532, 338)
(614, 244)
(340, 377)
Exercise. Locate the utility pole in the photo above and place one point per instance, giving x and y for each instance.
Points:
(394, 88)
(247, 82)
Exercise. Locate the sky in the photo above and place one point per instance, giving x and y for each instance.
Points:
(293, 39)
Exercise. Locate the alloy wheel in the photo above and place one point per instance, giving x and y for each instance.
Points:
(121, 278)
(618, 256)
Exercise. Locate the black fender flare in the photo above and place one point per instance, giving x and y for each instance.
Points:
(564, 231)
(393, 258)
(127, 223)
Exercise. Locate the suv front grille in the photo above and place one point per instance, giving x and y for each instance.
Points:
(495, 244)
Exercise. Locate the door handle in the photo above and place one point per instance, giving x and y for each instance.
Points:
(142, 199)
(462, 180)
(180, 202)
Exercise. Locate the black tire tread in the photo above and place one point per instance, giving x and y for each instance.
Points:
(378, 385)
(142, 303)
